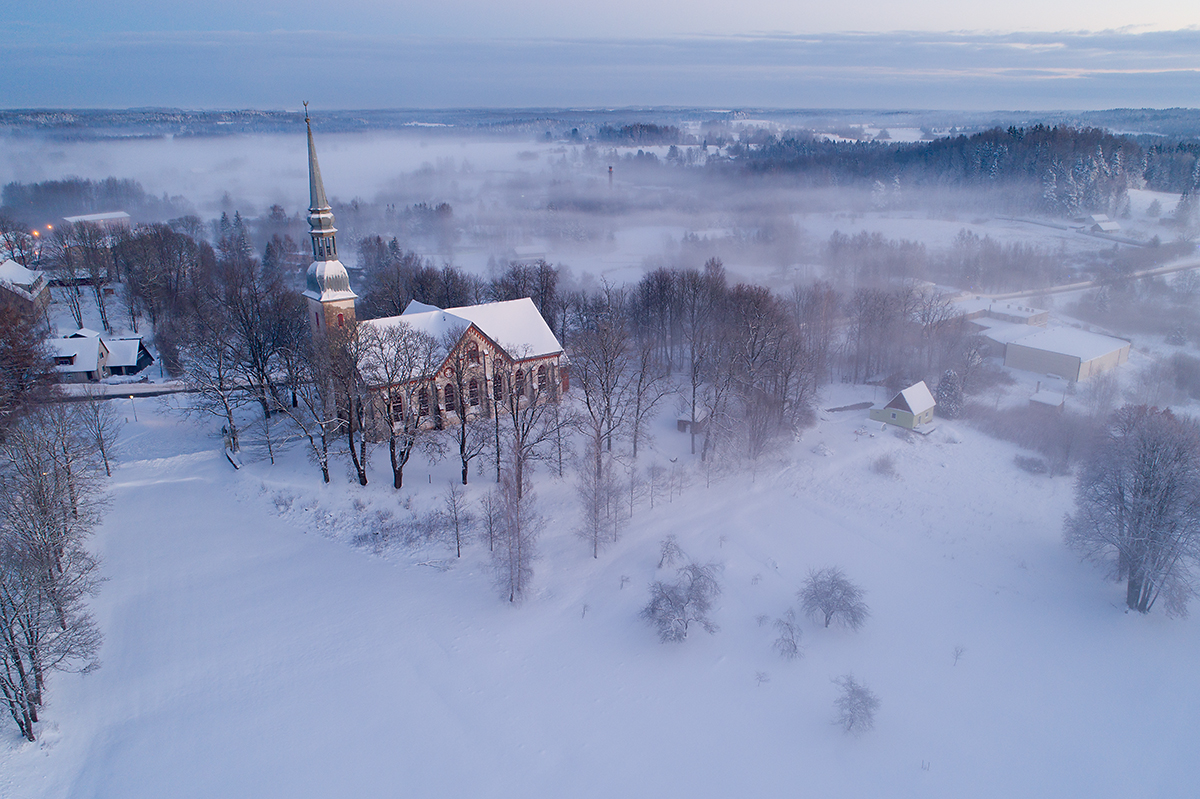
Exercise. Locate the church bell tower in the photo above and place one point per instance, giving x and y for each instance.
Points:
(330, 300)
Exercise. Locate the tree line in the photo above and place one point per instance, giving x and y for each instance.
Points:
(1063, 170)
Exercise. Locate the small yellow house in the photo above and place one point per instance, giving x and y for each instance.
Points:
(911, 408)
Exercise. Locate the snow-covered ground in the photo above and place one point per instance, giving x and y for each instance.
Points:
(253, 648)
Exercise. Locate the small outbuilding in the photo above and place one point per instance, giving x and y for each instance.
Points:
(910, 409)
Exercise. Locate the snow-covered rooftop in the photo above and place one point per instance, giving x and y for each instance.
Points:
(515, 325)
(123, 351)
(1070, 341)
(107, 216)
(426, 319)
(19, 277)
(1004, 332)
(976, 304)
(84, 349)
(917, 398)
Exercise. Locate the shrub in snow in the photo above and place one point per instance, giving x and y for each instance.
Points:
(788, 642)
(856, 705)
(828, 594)
(884, 465)
(1031, 465)
(675, 607)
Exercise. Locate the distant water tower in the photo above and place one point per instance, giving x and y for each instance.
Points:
(610, 175)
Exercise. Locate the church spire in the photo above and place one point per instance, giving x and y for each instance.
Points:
(316, 188)
(320, 215)
(327, 281)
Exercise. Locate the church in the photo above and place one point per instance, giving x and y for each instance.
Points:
(487, 355)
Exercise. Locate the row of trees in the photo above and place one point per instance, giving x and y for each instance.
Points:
(50, 501)
(1057, 169)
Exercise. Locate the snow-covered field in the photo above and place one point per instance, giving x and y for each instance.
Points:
(254, 649)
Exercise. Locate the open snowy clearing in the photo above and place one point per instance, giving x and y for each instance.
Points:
(254, 650)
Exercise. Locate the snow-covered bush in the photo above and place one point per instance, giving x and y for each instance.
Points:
(856, 705)
(675, 607)
(828, 594)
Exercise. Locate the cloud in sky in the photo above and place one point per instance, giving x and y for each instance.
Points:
(276, 68)
(612, 19)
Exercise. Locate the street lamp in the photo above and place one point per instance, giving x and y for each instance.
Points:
(132, 405)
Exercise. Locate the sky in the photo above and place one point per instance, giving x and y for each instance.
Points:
(1022, 54)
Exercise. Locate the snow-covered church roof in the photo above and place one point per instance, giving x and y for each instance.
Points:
(516, 325)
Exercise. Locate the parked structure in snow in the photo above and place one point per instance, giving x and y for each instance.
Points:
(1047, 400)
(27, 286)
(911, 408)
(1067, 352)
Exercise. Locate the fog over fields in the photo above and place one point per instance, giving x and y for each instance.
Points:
(710, 563)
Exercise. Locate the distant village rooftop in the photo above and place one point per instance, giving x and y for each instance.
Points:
(107, 219)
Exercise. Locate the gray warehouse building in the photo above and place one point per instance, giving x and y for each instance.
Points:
(1066, 352)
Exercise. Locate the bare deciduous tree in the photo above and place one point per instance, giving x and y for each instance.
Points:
(466, 399)
(313, 411)
(532, 419)
(856, 705)
(100, 423)
(348, 358)
(491, 513)
(516, 545)
(1138, 506)
(459, 517)
(788, 642)
(399, 359)
(675, 607)
(48, 508)
(598, 494)
(829, 595)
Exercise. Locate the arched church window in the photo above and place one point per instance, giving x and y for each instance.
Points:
(450, 403)
(423, 401)
(541, 384)
(473, 392)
